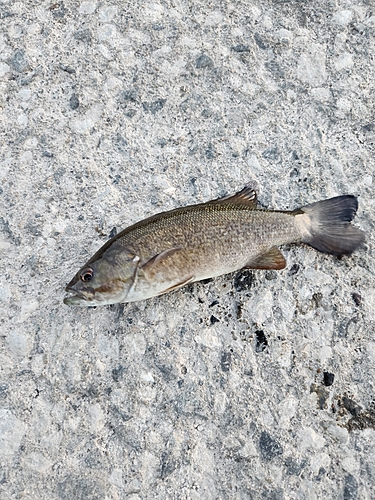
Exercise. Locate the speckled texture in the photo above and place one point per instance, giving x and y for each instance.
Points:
(110, 112)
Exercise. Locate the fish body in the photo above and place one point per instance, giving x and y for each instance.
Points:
(171, 249)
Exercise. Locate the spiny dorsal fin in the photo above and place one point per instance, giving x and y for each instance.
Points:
(273, 259)
(247, 196)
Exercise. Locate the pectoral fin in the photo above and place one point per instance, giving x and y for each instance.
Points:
(178, 285)
(146, 266)
(273, 259)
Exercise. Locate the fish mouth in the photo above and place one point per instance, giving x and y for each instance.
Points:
(78, 298)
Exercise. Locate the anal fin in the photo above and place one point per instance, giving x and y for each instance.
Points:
(273, 259)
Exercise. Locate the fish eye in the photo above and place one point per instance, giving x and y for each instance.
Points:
(87, 274)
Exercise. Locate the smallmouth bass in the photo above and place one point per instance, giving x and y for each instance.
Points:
(171, 249)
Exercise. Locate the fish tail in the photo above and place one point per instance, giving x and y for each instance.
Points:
(325, 225)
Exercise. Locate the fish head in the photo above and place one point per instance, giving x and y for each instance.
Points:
(103, 280)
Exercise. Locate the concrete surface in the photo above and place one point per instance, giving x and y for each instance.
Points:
(258, 385)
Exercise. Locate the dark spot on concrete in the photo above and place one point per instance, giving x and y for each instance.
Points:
(33, 229)
(3, 391)
(244, 280)
(117, 373)
(168, 465)
(365, 420)
(4, 12)
(346, 325)
(120, 414)
(351, 406)
(74, 101)
(273, 494)
(206, 113)
(369, 127)
(260, 41)
(350, 488)
(357, 298)
(129, 113)
(239, 307)
(19, 61)
(93, 458)
(293, 467)
(204, 61)
(58, 10)
(83, 35)
(328, 378)
(271, 153)
(79, 488)
(320, 474)
(112, 233)
(269, 447)
(208, 280)
(261, 341)
(5, 228)
(317, 299)
(241, 48)
(275, 69)
(67, 69)
(58, 174)
(48, 154)
(130, 95)
(121, 143)
(322, 394)
(210, 152)
(157, 27)
(226, 361)
(214, 303)
(166, 371)
(214, 320)
(293, 270)
(154, 106)
(271, 275)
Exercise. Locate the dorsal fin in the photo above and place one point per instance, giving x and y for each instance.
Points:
(247, 196)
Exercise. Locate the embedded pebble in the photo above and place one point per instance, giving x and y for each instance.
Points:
(312, 66)
(12, 431)
(342, 17)
(4, 69)
(87, 7)
(19, 61)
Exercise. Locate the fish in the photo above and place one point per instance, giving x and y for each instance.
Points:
(171, 249)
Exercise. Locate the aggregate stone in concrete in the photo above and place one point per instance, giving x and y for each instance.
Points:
(256, 385)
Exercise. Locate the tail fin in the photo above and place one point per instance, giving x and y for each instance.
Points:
(328, 227)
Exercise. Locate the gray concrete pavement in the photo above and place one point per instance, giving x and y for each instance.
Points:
(257, 385)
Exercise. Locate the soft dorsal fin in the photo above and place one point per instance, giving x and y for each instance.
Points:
(247, 196)
(273, 259)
